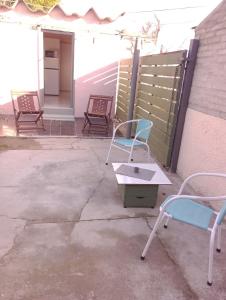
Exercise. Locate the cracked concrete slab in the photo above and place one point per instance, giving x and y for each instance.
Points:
(189, 248)
(9, 228)
(88, 260)
(64, 233)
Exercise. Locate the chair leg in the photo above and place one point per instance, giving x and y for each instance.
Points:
(219, 238)
(210, 269)
(148, 152)
(130, 155)
(108, 155)
(166, 222)
(152, 234)
(42, 121)
(85, 124)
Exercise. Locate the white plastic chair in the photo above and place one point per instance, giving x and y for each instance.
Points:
(185, 208)
(143, 129)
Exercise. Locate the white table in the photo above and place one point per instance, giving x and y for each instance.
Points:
(137, 192)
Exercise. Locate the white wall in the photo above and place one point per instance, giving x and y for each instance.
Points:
(18, 62)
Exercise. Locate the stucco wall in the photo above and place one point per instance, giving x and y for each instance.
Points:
(203, 148)
(203, 145)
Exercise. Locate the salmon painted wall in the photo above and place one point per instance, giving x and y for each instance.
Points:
(95, 69)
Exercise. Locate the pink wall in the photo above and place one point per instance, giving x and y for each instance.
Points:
(95, 69)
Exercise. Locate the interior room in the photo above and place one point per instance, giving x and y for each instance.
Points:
(58, 68)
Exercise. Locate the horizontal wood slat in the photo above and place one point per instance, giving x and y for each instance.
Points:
(123, 105)
(161, 124)
(126, 61)
(125, 68)
(125, 75)
(161, 154)
(124, 88)
(168, 82)
(162, 103)
(172, 58)
(165, 138)
(162, 114)
(157, 91)
(124, 81)
(158, 70)
(121, 114)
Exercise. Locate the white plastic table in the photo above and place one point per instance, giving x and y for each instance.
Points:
(138, 192)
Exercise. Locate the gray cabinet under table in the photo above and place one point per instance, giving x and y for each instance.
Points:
(141, 195)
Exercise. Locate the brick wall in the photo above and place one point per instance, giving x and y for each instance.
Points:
(208, 93)
(203, 144)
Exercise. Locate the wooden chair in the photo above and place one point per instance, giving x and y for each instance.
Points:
(27, 111)
(98, 112)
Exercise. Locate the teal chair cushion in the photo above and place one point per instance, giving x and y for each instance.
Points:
(190, 212)
(126, 142)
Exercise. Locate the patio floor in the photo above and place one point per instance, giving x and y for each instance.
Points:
(65, 235)
(54, 128)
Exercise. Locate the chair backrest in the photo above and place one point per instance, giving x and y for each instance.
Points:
(25, 101)
(145, 133)
(100, 105)
(222, 212)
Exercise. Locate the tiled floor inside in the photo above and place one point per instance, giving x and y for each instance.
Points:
(54, 128)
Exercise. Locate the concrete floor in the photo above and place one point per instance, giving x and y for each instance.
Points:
(64, 234)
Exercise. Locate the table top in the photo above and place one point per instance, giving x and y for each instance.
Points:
(158, 178)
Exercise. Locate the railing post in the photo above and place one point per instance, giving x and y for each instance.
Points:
(133, 86)
(184, 99)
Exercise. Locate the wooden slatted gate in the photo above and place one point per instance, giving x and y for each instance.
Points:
(157, 97)
(123, 96)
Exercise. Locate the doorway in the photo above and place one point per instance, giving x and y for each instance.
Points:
(58, 73)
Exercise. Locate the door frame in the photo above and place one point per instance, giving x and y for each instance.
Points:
(40, 50)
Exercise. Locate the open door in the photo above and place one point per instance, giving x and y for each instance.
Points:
(56, 60)
(40, 66)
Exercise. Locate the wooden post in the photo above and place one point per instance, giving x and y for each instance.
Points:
(184, 100)
(133, 87)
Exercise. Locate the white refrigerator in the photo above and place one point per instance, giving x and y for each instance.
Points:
(51, 76)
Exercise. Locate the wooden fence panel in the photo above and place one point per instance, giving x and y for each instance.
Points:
(123, 96)
(157, 97)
